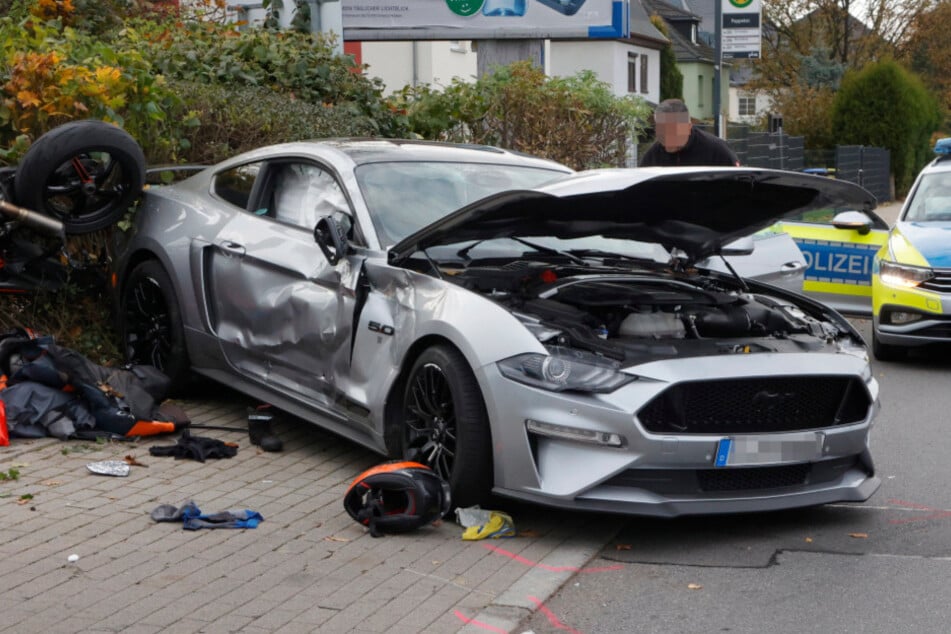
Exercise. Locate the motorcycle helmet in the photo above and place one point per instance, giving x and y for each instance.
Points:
(396, 497)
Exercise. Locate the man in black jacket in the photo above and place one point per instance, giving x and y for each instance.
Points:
(679, 143)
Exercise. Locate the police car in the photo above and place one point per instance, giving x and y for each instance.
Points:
(901, 278)
(911, 273)
(839, 248)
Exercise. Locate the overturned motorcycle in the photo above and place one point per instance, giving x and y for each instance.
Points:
(74, 181)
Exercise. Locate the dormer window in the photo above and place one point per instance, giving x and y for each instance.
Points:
(693, 33)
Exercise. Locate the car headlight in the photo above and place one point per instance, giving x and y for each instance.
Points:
(903, 274)
(565, 370)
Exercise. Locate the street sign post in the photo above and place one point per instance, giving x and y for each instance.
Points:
(741, 30)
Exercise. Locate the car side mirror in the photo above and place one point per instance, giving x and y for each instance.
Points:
(740, 246)
(331, 238)
(853, 220)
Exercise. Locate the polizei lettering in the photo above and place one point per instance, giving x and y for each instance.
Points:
(829, 262)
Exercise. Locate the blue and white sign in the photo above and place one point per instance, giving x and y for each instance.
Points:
(484, 19)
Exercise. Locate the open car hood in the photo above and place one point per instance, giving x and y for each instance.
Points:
(697, 210)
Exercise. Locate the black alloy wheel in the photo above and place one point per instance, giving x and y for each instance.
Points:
(445, 425)
(151, 323)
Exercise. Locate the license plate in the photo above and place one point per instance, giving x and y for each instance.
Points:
(744, 451)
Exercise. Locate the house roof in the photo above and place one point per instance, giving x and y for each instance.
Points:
(685, 50)
(643, 31)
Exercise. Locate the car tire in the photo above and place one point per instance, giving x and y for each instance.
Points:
(886, 352)
(150, 324)
(83, 173)
(445, 425)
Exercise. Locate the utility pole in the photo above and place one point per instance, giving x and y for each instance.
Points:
(717, 64)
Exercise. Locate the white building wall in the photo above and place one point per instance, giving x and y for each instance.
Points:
(609, 60)
(763, 106)
(401, 64)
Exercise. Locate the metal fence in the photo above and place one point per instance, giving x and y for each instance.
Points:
(867, 166)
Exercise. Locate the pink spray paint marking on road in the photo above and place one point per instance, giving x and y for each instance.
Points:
(485, 626)
(934, 515)
(554, 620)
(535, 564)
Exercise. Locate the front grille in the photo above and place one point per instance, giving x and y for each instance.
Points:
(749, 478)
(694, 481)
(757, 405)
(938, 331)
(941, 282)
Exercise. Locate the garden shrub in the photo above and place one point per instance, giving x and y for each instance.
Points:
(233, 119)
(302, 66)
(886, 105)
(575, 120)
(51, 73)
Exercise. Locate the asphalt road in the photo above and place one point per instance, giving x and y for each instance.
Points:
(881, 566)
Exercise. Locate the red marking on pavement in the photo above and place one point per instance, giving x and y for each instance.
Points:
(529, 562)
(485, 626)
(551, 616)
(934, 515)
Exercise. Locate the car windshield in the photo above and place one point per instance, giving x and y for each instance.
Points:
(932, 199)
(403, 197)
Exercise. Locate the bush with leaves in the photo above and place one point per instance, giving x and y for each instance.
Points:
(888, 106)
(299, 65)
(51, 73)
(233, 119)
(574, 120)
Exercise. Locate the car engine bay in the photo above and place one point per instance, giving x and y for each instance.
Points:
(626, 315)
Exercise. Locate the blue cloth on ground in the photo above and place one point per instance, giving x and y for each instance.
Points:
(193, 519)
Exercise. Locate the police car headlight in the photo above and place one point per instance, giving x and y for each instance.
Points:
(564, 370)
(903, 274)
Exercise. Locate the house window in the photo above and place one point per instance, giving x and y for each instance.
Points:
(644, 74)
(700, 90)
(747, 105)
(693, 33)
(632, 72)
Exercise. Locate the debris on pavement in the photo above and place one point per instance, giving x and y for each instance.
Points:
(193, 519)
(482, 523)
(197, 448)
(118, 468)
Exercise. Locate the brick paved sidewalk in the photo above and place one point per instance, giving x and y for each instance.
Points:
(307, 568)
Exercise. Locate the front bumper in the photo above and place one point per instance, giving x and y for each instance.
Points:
(670, 473)
(934, 307)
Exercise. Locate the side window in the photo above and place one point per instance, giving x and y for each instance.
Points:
(235, 185)
(303, 193)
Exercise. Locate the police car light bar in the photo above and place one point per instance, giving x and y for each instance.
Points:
(943, 147)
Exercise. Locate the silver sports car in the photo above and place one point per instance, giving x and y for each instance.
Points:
(525, 331)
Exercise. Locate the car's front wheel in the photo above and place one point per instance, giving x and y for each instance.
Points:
(445, 425)
(886, 352)
(150, 323)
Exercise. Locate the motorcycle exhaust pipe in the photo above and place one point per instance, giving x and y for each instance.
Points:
(33, 219)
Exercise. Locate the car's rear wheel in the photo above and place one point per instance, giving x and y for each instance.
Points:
(886, 352)
(445, 425)
(150, 324)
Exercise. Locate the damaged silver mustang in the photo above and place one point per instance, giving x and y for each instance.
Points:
(559, 342)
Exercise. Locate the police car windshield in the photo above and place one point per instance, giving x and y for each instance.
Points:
(932, 199)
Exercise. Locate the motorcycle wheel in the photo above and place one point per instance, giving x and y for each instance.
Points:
(83, 173)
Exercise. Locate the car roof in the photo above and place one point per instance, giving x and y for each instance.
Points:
(375, 150)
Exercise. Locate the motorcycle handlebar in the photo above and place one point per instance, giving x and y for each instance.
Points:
(32, 218)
